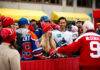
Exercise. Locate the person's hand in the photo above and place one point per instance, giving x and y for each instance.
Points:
(54, 51)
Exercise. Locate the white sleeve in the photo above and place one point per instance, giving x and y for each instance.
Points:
(70, 38)
(53, 33)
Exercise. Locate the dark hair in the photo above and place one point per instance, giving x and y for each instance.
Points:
(33, 20)
(13, 44)
(21, 26)
(62, 18)
(80, 21)
(1, 40)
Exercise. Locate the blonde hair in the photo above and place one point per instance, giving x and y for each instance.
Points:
(47, 43)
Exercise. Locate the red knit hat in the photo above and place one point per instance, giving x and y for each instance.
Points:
(2, 18)
(8, 35)
(46, 27)
(7, 21)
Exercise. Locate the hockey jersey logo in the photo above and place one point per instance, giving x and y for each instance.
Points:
(62, 42)
(27, 47)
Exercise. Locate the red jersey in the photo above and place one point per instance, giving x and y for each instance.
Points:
(89, 46)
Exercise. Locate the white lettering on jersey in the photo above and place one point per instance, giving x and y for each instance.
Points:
(92, 38)
(87, 34)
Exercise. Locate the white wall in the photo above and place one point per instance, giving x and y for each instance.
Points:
(45, 7)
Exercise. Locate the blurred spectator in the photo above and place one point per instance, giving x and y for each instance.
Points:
(88, 45)
(7, 22)
(98, 29)
(34, 27)
(74, 30)
(9, 57)
(1, 20)
(26, 40)
(46, 41)
(62, 36)
(69, 25)
(0, 30)
(15, 26)
(55, 26)
(0, 25)
(79, 25)
(45, 19)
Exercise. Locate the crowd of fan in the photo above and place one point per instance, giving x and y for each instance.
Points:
(36, 39)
